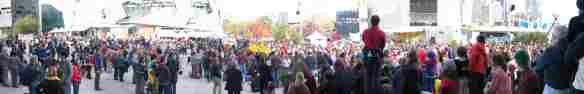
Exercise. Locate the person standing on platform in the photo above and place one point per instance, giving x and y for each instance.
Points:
(374, 39)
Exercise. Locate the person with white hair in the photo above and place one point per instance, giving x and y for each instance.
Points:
(557, 75)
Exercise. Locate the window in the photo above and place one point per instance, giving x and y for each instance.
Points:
(423, 12)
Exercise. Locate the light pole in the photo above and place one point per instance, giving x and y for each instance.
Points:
(40, 17)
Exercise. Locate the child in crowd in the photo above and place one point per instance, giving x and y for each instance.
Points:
(501, 81)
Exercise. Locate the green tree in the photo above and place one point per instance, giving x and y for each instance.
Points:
(280, 31)
(27, 24)
(295, 35)
(530, 37)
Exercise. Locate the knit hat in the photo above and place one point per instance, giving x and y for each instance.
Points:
(522, 58)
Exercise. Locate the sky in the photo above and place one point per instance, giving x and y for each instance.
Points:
(565, 8)
(251, 9)
(88, 11)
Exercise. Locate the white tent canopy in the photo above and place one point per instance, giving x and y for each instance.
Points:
(69, 29)
(316, 36)
(317, 39)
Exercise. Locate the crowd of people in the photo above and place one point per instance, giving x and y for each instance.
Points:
(54, 65)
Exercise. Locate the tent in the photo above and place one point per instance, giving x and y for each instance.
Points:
(317, 39)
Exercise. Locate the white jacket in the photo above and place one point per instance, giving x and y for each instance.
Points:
(579, 78)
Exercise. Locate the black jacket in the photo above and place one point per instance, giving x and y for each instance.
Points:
(575, 50)
(265, 72)
(234, 81)
(173, 68)
(409, 82)
(163, 73)
(557, 71)
(52, 87)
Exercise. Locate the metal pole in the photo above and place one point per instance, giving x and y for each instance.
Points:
(40, 16)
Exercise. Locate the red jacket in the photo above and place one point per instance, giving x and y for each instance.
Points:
(374, 37)
(421, 56)
(478, 58)
(76, 74)
(92, 59)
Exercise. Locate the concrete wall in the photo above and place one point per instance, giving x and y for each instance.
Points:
(393, 13)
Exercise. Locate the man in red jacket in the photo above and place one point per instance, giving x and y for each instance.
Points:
(478, 66)
(374, 39)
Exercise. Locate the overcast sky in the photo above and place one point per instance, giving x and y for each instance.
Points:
(251, 9)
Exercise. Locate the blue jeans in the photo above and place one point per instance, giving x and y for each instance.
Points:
(550, 90)
(429, 77)
(67, 89)
(164, 87)
(34, 87)
(76, 86)
(173, 87)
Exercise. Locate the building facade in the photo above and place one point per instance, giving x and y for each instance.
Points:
(22, 8)
(5, 15)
